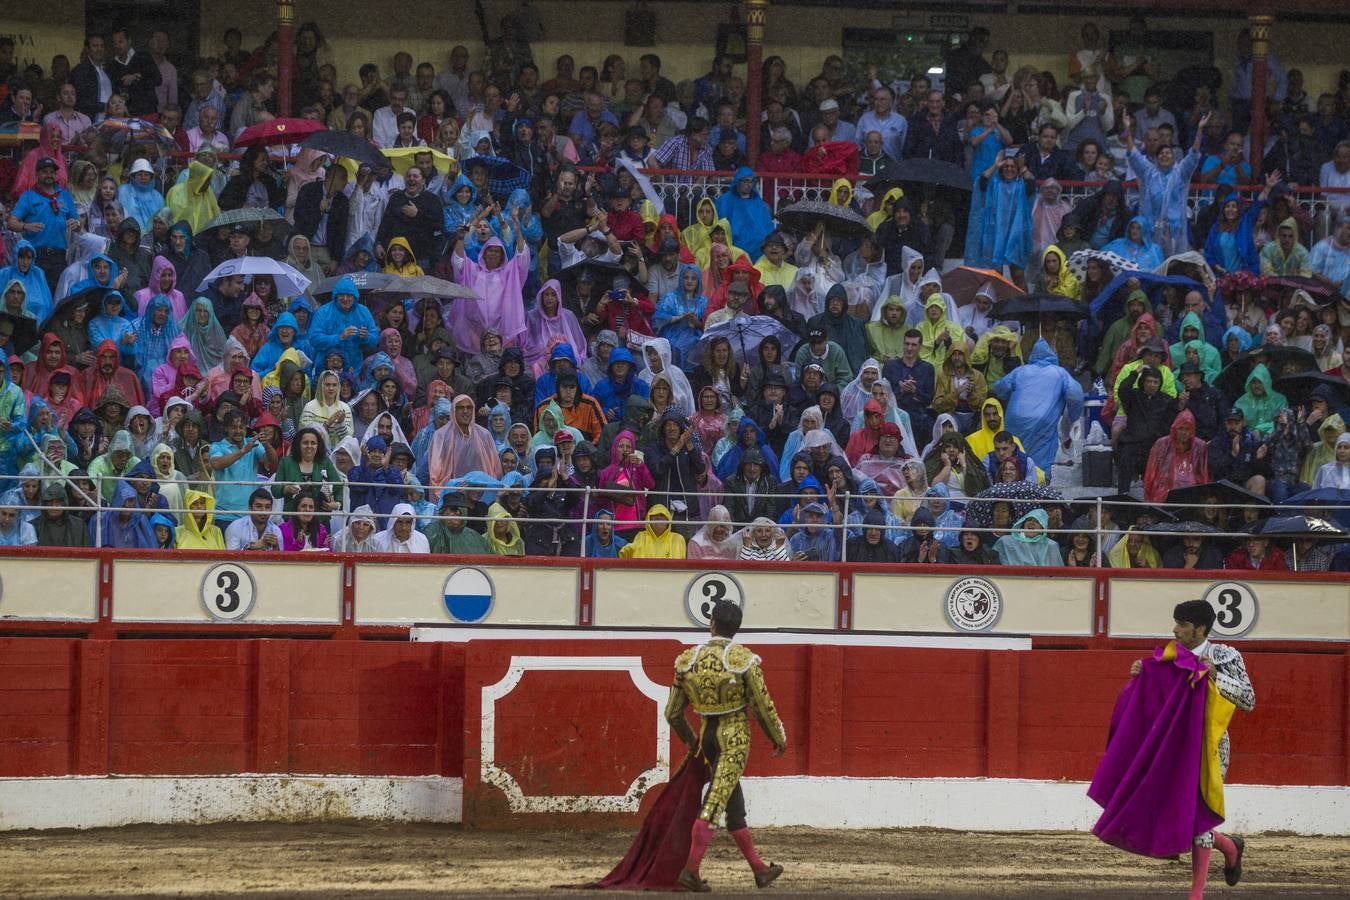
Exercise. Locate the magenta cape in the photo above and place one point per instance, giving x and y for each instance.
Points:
(1149, 780)
(661, 848)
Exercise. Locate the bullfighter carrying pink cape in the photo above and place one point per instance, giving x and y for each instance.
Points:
(1160, 782)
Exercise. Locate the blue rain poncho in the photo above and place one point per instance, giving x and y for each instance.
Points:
(750, 218)
(269, 354)
(141, 202)
(1005, 224)
(1035, 396)
(947, 521)
(455, 213)
(1144, 253)
(108, 326)
(682, 335)
(152, 343)
(122, 527)
(38, 299)
(730, 463)
(1162, 195)
(325, 330)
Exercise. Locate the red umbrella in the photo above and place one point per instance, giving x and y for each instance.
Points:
(278, 131)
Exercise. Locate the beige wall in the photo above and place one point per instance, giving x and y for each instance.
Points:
(361, 31)
(42, 30)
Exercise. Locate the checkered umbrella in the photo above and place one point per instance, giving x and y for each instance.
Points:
(1023, 495)
(1078, 262)
(504, 176)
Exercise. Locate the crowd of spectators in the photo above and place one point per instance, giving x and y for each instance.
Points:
(594, 398)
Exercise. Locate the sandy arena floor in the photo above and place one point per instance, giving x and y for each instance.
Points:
(415, 860)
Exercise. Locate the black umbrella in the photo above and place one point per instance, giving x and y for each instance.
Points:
(91, 296)
(1226, 492)
(1298, 388)
(804, 215)
(920, 170)
(1030, 307)
(1232, 381)
(20, 332)
(386, 283)
(344, 143)
(603, 271)
(1023, 495)
(1167, 532)
(1291, 527)
(1123, 508)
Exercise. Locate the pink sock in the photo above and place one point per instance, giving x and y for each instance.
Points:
(1226, 847)
(1199, 871)
(700, 837)
(747, 845)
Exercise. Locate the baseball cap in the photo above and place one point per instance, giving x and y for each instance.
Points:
(142, 165)
(670, 245)
(826, 105)
(1189, 368)
(816, 334)
(45, 162)
(377, 443)
(1234, 415)
(563, 437)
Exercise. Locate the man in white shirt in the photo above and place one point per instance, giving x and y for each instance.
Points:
(1336, 173)
(384, 123)
(366, 200)
(254, 531)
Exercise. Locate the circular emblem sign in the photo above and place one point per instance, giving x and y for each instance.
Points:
(468, 595)
(228, 592)
(1235, 608)
(704, 592)
(973, 604)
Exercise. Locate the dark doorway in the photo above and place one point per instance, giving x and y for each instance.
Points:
(180, 19)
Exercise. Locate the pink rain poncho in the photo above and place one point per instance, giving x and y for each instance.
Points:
(456, 451)
(177, 302)
(501, 306)
(542, 331)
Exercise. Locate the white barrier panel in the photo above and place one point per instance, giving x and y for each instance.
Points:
(466, 595)
(49, 589)
(657, 598)
(973, 604)
(292, 592)
(1285, 610)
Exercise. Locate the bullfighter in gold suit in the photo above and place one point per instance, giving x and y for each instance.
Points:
(723, 681)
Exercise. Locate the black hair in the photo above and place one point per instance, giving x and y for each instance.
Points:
(914, 333)
(1195, 612)
(726, 619)
(695, 125)
(260, 494)
(1004, 437)
(651, 59)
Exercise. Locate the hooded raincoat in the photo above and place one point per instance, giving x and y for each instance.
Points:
(1038, 395)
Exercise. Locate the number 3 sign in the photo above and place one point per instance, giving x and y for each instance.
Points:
(704, 592)
(1235, 608)
(228, 592)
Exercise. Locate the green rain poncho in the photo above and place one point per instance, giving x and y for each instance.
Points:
(1260, 411)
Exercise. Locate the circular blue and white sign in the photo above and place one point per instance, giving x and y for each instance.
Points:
(468, 595)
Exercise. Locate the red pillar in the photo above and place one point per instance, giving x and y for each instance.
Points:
(756, 13)
(1260, 30)
(285, 53)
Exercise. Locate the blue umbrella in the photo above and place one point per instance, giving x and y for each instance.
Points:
(504, 176)
(1325, 496)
